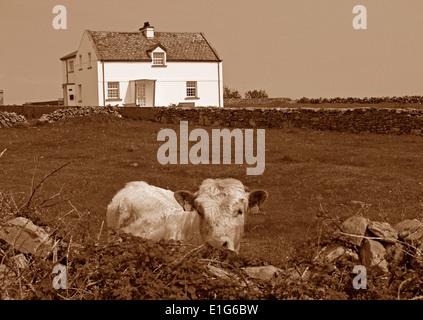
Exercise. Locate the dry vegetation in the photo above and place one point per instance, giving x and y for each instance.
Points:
(306, 172)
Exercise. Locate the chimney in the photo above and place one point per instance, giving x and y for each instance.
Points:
(147, 30)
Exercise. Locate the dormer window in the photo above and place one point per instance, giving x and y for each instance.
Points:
(157, 54)
(158, 58)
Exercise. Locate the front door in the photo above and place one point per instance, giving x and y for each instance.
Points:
(140, 97)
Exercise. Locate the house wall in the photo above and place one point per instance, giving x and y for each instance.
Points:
(170, 81)
(86, 73)
(68, 83)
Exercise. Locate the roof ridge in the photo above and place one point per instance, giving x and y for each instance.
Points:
(138, 32)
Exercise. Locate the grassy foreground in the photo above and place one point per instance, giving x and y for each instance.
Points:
(378, 176)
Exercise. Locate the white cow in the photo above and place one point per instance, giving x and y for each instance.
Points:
(214, 214)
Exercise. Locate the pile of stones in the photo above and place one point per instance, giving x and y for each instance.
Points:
(77, 112)
(378, 245)
(11, 119)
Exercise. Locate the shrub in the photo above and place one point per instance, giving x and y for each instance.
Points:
(256, 94)
(230, 93)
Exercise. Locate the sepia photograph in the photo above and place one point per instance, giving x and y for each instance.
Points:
(211, 157)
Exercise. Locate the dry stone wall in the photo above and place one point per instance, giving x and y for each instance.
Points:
(355, 120)
(378, 245)
(11, 119)
(77, 112)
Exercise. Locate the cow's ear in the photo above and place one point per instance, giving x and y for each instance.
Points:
(185, 199)
(256, 198)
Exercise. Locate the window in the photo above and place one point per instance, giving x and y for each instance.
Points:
(158, 58)
(89, 60)
(191, 89)
(80, 62)
(113, 90)
(70, 66)
(80, 92)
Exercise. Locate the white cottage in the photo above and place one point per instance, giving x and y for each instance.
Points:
(144, 68)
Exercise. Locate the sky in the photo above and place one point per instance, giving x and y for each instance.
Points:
(289, 48)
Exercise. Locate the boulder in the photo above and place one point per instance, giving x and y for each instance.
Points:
(415, 238)
(407, 227)
(24, 236)
(43, 120)
(334, 254)
(383, 230)
(395, 254)
(355, 225)
(263, 272)
(372, 255)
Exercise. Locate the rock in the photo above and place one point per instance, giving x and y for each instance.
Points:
(360, 203)
(339, 252)
(219, 272)
(395, 254)
(11, 119)
(372, 255)
(416, 261)
(383, 230)
(263, 272)
(415, 238)
(407, 227)
(355, 225)
(26, 237)
(43, 120)
(334, 254)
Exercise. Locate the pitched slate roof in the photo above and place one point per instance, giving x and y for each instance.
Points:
(134, 46)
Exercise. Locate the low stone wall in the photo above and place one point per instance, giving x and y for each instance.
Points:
(11, 119)
(30, 111)
(355, 120)
(77, 112)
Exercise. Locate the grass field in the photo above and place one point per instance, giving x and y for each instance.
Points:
(305, 171)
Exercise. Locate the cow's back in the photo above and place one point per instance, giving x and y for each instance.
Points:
(150, 212)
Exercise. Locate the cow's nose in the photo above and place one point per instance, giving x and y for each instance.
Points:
(226, 243)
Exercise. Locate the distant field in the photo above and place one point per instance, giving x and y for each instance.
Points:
(305, 170)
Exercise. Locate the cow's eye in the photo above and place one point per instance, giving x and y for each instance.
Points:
(240, 211)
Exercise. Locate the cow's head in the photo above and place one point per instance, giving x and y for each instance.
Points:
(222, 205)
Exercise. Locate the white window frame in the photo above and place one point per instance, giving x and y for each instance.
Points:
(71, 66)
(113, 91)
(191, 89)
(159, 58)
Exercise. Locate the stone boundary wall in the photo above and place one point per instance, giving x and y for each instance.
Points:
(30, 111)
(355, 120)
